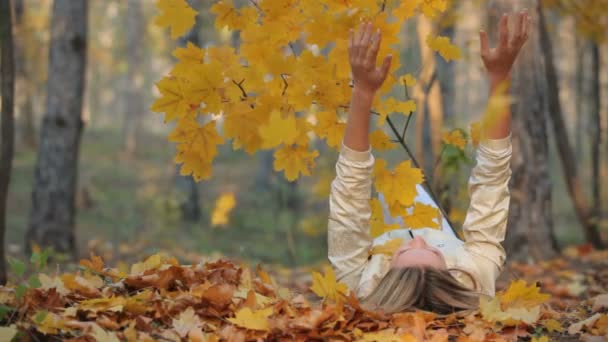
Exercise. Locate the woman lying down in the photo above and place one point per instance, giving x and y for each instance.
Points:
(433, 270)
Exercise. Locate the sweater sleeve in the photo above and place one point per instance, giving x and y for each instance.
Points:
(349, 215)
(485, 224)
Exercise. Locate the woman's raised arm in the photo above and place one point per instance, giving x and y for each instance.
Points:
(486, 220)
(349, 209)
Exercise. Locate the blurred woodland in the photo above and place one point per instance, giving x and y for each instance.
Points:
(121, 196)
(86, 166)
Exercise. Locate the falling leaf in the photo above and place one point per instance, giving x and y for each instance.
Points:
(177, 15)
(250, 319)
(326, 286)
(443, 46)
(223, 206)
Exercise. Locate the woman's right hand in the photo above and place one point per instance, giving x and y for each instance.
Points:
(363, 51)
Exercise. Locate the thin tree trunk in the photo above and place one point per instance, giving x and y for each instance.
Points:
(190, 204)
(569, 165)
(134, 104)
(596, 137)
(580, 97)
(530, 229)
(56, 174)
(25, 110)
(7, 129)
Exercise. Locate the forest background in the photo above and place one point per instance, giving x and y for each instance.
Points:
(131, 201)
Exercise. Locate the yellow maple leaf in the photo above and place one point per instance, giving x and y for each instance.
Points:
(398, 186)
(423, 216)
(406, 9)
(51, 323)
(223, 206)
(242, 122)
(187, 56)
(172, 101)
(151, 262)
(278, 130)
(197, 147)
(443, 46)
(327, 287)
(430, 8)
(380, 141)
(391, 105)
(252, 319)
(177, 15)
(187, 320)
(553, 325)
(520, 294)
(294, 160)
(408, 80)
(388, 248)
(454, 138)
(330, 127)
(376, 224)
(519, 303)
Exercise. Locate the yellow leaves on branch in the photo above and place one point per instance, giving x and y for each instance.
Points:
(377, 225)
(443, 46)
(279, 130)
(177, 15)
(327, 287)
(261, 92)
(423, 216)
(223, 206)
(398, 186)
(519, 303)
(331, 128)
(454, 138)
(295, 160)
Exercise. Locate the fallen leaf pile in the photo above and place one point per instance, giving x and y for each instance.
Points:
(159, 299)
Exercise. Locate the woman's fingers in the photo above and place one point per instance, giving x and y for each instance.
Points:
(483, 43)
(503, 35)
(386, 66)
(365, 40)
(372, 52)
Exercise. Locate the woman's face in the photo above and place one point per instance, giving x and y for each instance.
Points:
(416, 252)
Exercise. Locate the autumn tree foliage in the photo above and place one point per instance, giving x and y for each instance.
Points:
(287, 83)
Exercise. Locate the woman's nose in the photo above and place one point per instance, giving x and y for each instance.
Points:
(418, 242)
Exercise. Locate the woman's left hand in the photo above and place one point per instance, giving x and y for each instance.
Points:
(499, 60)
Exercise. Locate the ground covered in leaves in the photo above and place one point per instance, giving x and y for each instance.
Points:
(160, 300)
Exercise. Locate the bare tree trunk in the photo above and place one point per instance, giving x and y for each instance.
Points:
(427, 93)
(190, 204)
(56, 176)
(23, 83)
(580, 96)
(596, 137)
(134, 104)
(569, 165)
(530, 229)
(7, 129)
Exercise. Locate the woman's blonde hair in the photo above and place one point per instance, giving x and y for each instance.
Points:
(424, 288)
